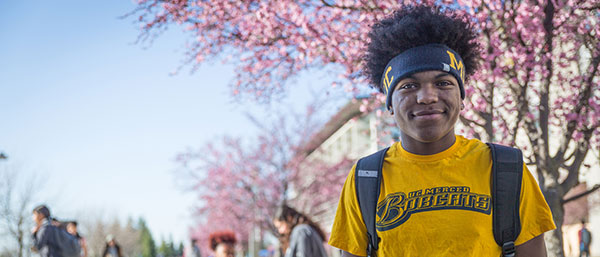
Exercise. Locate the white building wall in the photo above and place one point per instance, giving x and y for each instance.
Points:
(356, 138)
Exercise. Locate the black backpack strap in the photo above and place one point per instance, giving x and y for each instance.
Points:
(368, 181)
(507, 172)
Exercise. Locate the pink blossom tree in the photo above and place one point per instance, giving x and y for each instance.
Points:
(538, 87)
(241, 182)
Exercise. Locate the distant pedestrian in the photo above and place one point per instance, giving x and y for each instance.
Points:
(193, 250)
(72, 229)
(222, 243)
(50, 238)
(585, 239)
(43, 237)
(300, 236)
(112, 248)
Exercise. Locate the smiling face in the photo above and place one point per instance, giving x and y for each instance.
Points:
(426, 106)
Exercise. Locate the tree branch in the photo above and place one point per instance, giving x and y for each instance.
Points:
(584, 96)
(591, 8)
(544, 94)
(580, 153)
(577, 196)
(353, 8)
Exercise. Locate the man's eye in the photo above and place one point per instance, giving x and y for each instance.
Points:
(444, 83)
(408, 85)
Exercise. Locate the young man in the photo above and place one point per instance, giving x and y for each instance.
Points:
(43, 234)
(419, 57)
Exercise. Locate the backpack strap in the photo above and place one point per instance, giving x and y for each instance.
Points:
(507, 172)
(368, 180)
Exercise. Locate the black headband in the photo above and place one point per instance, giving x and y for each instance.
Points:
(422, 58)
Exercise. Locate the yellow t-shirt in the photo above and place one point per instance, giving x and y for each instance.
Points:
(436, 205)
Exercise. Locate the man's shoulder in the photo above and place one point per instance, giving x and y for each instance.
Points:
(472, 143)
(471, 146)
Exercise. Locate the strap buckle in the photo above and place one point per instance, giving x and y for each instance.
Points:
(508, 249)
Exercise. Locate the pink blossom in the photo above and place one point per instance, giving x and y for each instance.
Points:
(277, 40)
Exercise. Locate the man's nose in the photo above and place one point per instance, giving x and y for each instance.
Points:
(427, 94)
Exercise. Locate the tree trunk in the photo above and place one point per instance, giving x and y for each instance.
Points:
(21, 246)
(554, 240)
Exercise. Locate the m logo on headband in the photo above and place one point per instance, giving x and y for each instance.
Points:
(457, 65)
(386, 80)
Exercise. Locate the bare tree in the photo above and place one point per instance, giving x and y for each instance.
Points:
(17, 197)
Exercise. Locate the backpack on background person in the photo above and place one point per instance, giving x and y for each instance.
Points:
(68, 244)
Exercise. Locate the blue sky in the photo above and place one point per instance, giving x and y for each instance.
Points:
(102, 117)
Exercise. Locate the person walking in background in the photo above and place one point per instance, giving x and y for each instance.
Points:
(72, 229)
(299, 235)
(112, 248)
(44, 239)
(222, 243)
(585, 239)
(193, 250)
(50, 238)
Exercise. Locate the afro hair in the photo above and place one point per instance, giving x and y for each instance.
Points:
(413, 26)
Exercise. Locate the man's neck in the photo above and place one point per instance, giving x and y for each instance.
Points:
(429, 148)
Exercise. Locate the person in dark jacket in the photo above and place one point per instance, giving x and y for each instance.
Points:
(585, 238)
(112, 249)
(43, 236)
(44, 233)
(300, 237)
